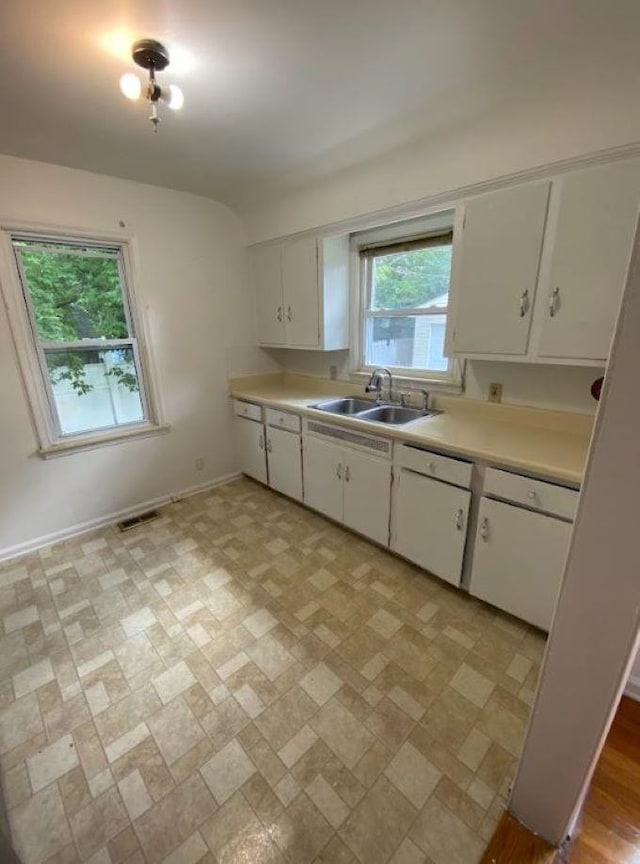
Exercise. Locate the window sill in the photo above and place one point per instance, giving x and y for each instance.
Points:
(92, 442)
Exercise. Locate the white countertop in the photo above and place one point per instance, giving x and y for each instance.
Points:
(551, 444)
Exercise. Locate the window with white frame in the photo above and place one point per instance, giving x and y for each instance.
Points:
(405, 298)
(83, 334)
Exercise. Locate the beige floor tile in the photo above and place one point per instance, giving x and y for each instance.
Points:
(35, 676)
(327, 800)
(302, 831)
(271, 657)
(342, 733)
(472, 685)
(96, 824)
(249, 701)
(52, 762)
(260, 623)
(190, 852)
(20, 619)
(19, 722)
(126, 742)
(321, 683)
(134, 795)
(412, 774)
(297, 746)
(474, 749)
(378, 824)
(39, 827)
(384, 623)
(444, 837)
(234, 834)
(175, 729)
(174, 681)
(227, 771)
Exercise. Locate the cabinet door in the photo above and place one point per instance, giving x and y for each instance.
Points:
(250, 448)
(323, 471)
(285, 462)
(267, 264)
(518, 560)
(430, 524)
(367, 495)
(301, 294)
(500, 255)
(596, 223)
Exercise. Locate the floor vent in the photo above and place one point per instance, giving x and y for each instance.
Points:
(128, 524)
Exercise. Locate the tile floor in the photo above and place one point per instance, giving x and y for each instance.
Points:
(243, 681)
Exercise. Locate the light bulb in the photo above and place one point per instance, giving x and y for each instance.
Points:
(131, 86)
(176, 98)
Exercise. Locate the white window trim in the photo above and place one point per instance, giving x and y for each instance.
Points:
(451, 381)
(43, 417)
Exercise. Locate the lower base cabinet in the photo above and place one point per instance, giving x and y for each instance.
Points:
(430, 524)
(348, 486)
(250, 447)
(518, 560)
(285, 462)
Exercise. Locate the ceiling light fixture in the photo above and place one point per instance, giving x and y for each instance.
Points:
(153, 57)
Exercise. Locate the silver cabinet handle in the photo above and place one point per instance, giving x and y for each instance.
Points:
(524, 303)
(279, 314)
(553, 301)
(261, 442)
(289, 315)
(339, 471)
(269, 447)
(484, 528)
(460, 519)
(347, 474)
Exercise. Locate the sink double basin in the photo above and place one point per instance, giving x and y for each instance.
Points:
(363, 409)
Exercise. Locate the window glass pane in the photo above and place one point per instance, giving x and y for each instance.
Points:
(411, 280)
(410, 342)
(74, 296)
(94, 389)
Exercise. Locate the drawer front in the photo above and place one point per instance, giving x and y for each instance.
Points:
(433, 465)
(283, 420)
(247, 409)
(535, 494)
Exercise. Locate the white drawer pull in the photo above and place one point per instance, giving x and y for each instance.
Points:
(484, 529)
(460, 519)
(339, 471)
(347, 474)
(260, 443)
(532, 494)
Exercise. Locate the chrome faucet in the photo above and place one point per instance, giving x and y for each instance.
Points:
(375, 383)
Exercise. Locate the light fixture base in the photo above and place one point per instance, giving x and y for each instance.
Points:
(150, 54)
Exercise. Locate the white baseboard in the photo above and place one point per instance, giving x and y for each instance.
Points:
(633, 688)
(83, 527)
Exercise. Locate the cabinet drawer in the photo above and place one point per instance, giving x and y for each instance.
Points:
(283, 420)
(535, 494)
(433, 465)
(247, 409)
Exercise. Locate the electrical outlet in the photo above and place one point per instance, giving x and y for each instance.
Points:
(333, 373)
(199, 464)
(495, 392)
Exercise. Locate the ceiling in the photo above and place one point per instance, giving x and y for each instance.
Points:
(280, 92)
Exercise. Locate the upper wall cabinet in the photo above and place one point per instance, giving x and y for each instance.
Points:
(498, 270)
(595, 219)
(540, 283)
(302, 293)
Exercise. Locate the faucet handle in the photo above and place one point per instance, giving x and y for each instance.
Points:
(426, 395)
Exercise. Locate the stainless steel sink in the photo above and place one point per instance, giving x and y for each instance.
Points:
(364, 409)
(393, 415)
(349, 405)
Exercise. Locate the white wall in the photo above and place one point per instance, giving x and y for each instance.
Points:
(191, 280)
(490, 146)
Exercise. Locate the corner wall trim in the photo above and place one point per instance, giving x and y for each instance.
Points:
(632, 690)
(19, 549)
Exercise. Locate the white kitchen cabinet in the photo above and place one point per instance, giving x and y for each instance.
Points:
(250, 448)
(430, 524)
(302, 293)
(595, 221)
(367, 491)
(284, 459)
(518, 560)
(301, 297)
(267, 273)
(323, 466)
(499, 258)
(348, 485)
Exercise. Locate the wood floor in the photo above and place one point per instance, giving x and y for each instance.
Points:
(609, 828)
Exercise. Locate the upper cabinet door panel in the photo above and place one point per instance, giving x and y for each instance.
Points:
(501, 245)
(301, 292)
(596, 223)
(267, 265)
